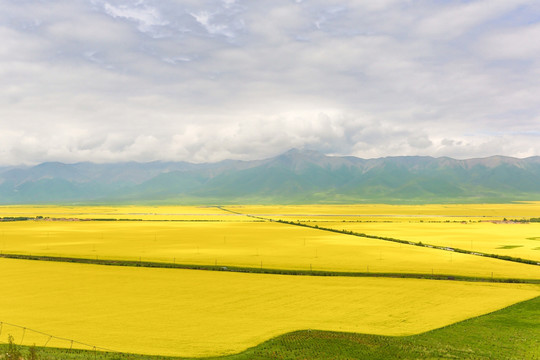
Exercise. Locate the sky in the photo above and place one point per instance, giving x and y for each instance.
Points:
(203, 81)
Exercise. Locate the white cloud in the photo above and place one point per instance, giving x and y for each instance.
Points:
(147, 17)
(419, 141)
(204, 18)
(207, 80)
(229, 3)
(456, 18)
(516, 43)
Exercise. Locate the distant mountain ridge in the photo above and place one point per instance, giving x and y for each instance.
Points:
(297, 176)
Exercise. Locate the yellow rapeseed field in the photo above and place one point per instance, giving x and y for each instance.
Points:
(247, 244)
(485, 211)
(200, 313)
(182, 213)
(512, 239)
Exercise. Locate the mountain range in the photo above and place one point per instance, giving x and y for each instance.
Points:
(297, 176)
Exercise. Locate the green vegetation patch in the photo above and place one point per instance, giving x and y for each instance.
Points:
(510, 333)
(509, 246)
(534, 238)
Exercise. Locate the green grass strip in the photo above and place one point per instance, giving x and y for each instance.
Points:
(405, 242)
(261, 270)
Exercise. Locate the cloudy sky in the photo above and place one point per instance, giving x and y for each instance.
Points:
(202, 80)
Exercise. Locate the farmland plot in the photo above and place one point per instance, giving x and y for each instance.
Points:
(246, 244)
(502, 238)
(199, 313)
(480, 211)
(126, 212)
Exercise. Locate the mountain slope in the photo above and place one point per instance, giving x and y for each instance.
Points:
(293, 177)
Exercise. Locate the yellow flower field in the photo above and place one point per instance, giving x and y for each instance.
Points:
(198, 313)
(516, 240)
(247, 244)
(486, 211)
(181, 213)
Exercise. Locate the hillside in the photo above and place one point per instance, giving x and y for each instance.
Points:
(297, 176)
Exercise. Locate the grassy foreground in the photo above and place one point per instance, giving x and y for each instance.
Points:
(510, 333)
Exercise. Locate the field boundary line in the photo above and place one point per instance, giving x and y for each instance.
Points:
(384, 238)
(257, 270)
